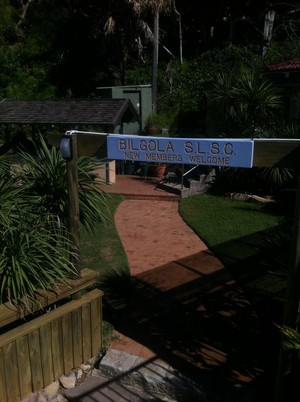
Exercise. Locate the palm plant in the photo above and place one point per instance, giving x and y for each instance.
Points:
(291, 338)
(45, 178)
(278, 177)
(249, 98)
(259, 97)
(35, 250)
(247, 104)
(32, 258)
(92, 200)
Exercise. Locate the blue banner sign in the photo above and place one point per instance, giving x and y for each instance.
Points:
(192, 151)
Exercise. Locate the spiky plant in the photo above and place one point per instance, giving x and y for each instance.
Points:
(258, 96)
(248, 99)
(45, 177)
(291, 338)
(32, 258)
(92, 200)
(34, 249)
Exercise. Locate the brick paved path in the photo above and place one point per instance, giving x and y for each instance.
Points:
(189, 311)
(153, 234)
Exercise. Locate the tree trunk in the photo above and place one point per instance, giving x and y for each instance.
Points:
(180, 32)
(268, 30)
(155, 60)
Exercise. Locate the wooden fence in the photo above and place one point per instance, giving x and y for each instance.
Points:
(36, 353)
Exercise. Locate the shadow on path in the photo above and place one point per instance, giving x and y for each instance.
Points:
(198, 320)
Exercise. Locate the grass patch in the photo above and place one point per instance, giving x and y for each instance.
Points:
(218, 220)
(240, 234)
(103, 251)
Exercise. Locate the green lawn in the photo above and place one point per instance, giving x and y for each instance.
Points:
(218, 220)
(103, 250)
(245, 237)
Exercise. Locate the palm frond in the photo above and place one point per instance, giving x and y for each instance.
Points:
(291, 338)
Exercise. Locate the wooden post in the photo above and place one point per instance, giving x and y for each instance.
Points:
(72, 177)
(291, 311)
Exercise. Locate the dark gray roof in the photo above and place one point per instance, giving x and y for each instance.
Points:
(103, 112)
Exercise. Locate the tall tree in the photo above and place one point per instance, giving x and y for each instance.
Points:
(141, 9)
(156, 7)
(268, 30)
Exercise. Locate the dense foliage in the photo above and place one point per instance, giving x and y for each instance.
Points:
(36, 251)
(44, 176)
(52, 48)
(211, 56)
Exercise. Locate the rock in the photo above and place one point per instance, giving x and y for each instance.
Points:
(79, 374)
(51, 391)
(86, 367)
(93, 360)
(68, 380)
(61, 398)
(31, 398)
(41, 397)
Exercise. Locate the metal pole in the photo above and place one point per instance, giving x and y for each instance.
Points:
(291, 311)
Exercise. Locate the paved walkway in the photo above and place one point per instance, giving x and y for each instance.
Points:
(153, 234)
(139, 187)
(188, 310)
